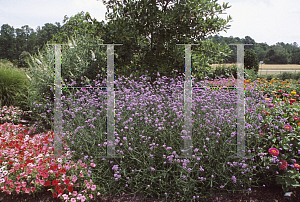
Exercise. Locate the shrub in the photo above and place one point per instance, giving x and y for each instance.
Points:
(77, 62)
(251, 60)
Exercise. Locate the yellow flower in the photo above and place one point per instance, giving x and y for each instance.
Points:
(262, 87)
(267, 99)
(293, 92)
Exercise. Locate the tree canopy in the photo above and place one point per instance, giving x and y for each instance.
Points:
(180, 23)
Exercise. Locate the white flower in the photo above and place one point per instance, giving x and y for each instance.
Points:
(59, 160)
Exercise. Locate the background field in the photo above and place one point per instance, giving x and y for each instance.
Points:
(270, 67)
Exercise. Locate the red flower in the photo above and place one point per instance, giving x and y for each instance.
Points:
(54, 194)
(70, 188)
(60, 191)
(296, 165)
(48, 183)
(63, 170)
(67, 181)
(283, 165)
(56, 188)
(54, 182)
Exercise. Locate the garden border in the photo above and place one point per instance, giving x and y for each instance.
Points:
(187, 102)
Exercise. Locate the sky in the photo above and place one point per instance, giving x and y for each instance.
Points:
(265, 21)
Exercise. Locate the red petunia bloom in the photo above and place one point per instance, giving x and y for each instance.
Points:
(70, 188)
(54, 182)
(48, 183)
(56, 188)
(60, 191)
(67, 181)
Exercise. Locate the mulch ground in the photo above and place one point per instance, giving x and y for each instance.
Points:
(267, 194)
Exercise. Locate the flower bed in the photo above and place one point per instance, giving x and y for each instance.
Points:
(273, 141)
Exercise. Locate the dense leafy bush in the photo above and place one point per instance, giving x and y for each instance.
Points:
(251, 60)
(85, 58)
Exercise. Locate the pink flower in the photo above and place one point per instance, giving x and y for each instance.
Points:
(65, 196)
(32, 189)
(27, 190)
(74, 193)
(74, 178)
(24, 184)
(274, 151)
(18, 190)
(91, 196)
(93, 187)
(288, 127)
(93, 165)
(83, 198)
(79, 196)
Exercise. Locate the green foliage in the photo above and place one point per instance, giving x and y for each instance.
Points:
(251, 61)
(251, 74)
(209, 53)
(276, 55)
(12, 88)
(77, 62)
(286, 76)
(15, 62)
(5, 62)
(225, 72)
(132, 21)
(23, 59)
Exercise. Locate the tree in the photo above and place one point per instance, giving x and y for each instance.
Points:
(166, 28)
(20, 40)
(251, 60)
(81, 24)
(270, 57)
(7, 43)
(276, 55)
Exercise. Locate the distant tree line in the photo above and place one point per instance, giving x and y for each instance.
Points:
(16, 44)
(276, 54)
